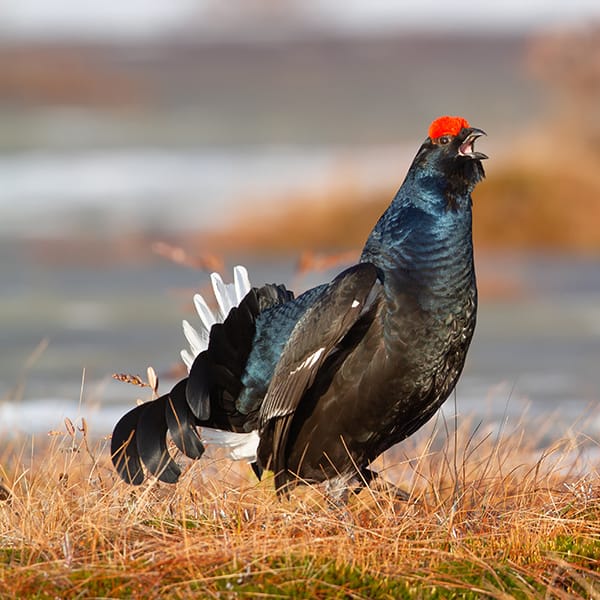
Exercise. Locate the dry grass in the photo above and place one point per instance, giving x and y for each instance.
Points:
(490, 516)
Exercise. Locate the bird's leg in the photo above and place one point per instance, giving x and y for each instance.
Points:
(258, 470)
(370, 478)
(337, 491)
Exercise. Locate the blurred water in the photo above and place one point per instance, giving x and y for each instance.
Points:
(533, 354)
(106, 190)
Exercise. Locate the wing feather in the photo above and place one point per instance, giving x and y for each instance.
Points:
(312, 340)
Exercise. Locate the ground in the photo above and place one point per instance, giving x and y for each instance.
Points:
(490, 515)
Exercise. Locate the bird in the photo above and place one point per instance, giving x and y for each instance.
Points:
(314, 388)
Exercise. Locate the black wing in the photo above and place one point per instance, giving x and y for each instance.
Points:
(315, 336)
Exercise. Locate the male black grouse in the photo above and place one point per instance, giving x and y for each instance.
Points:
(314, 388)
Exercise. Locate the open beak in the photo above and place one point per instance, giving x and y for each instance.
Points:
(467, 148)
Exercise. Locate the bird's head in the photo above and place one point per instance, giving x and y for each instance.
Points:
(455, 138)
(449, 151)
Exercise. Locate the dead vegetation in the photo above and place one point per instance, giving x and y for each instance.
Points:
(489, 515)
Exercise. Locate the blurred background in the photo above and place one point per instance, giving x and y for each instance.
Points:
(144, 144)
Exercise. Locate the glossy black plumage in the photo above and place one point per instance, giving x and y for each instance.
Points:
(333, 378)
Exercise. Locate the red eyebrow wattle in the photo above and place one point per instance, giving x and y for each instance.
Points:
(447, 126)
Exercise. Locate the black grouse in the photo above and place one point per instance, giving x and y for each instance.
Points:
(314, 388)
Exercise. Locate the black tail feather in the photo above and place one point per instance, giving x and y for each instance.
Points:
(123, 448)
(198, 387)
(139, 438)
(181, 422)
(151, 441)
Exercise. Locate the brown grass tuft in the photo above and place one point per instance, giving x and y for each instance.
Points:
(489, 515)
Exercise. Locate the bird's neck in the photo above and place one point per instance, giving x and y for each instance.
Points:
(424, 250)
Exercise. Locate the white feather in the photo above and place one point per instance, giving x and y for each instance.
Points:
(239, 446)
(206, 315)
(188, 358)
(227, 295)
(196, 340)
(241, 282)
(223, 294)
(309, 361)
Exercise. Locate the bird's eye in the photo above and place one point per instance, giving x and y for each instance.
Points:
(445, 139)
